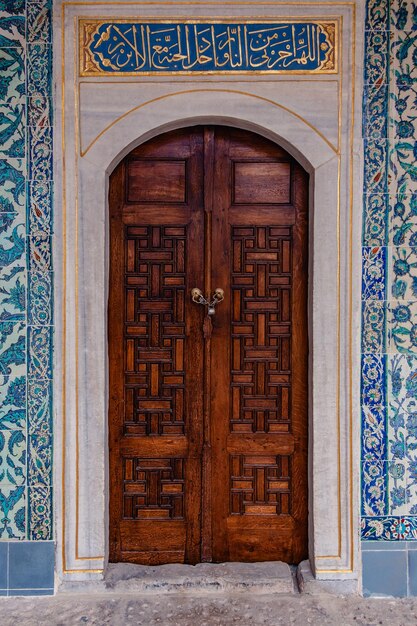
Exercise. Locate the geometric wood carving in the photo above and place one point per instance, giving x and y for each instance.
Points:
(154, 330)
(153, 488)
(261, 329)
(260, 485)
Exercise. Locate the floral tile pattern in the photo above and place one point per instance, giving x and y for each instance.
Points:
(12, 511)
(13, 457)
(380, 480)
(389, 319)
(403, 273)
(373, 326)
(402, 327)
(25, 269)
(373, 273)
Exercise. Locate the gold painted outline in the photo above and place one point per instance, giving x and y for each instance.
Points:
(350, 281)
(207, 20)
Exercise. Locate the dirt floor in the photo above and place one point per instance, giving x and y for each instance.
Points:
(206, 610)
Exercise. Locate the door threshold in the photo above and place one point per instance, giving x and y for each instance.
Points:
(271, 577)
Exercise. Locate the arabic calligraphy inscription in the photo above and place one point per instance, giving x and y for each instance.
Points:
(127, 47)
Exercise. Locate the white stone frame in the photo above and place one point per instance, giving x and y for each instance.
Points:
(81, 243)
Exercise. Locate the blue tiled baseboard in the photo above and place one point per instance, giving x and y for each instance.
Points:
(389, 568)
(27, 568)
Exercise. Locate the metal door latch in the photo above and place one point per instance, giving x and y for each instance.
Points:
(197, 296)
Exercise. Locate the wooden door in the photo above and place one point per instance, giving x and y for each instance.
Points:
(208, 420)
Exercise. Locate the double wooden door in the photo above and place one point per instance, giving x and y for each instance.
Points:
(208, 414)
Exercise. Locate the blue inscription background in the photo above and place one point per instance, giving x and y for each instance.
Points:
(204, 47)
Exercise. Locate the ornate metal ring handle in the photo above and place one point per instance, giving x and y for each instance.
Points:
(197, 296)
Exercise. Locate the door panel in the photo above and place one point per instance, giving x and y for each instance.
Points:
(259, 355)
(155, 389)
(219, 475)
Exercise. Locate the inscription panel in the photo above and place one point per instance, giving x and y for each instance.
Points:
(261, 330)
(154, 330)
(129, 47)
(260, 485)
(153, 488)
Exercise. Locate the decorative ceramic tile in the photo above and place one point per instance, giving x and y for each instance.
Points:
(402, 327)
(12, 402)
(375, 208)
(376, 47)
(374, 488)
(12, 73)
(12, 457)
(39, 208)
(12, 181)
(403, 15)
(375, 170)
(40, 298)
(39, 111)
(373, 326)
(13, 293)
(12, 349)
(12, 512)
(375, 118)
(373, 273)
(40, 253)
(373, 383)
(12, 26)
(403, 218)
(39, 69)
(40, 153)
(374, 426)
(399, 385)
(39, 406)
(403, 273)
(40, 513)
(40, 352)
(397, 492)
(12, 129)
(377, 12)
(40, 459)
(39, 22)
(389, 528)
(12, 240)
(412, 484)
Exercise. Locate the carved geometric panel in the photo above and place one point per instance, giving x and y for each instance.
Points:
(154, 330)
(261, 329)
(153, 488)
(260, 485)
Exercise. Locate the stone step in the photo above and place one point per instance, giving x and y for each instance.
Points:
(271, 577)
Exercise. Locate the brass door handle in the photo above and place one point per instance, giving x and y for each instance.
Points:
(198, 298)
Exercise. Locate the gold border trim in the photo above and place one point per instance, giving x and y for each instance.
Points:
(88, 67)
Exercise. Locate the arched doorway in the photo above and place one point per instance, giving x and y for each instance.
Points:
(208, 413)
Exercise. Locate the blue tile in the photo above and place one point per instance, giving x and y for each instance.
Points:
(31, 565)
(375, 219)
(369, 546)
(374, 263)
(384, 573)
(30, 592)
(40, 352)
(4, 547)
(374, 433)
(412, 572)
(373, 381)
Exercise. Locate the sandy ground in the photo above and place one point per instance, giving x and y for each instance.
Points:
(206, 610)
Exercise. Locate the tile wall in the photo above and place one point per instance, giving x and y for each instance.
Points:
(25, 296)
(389, 295)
